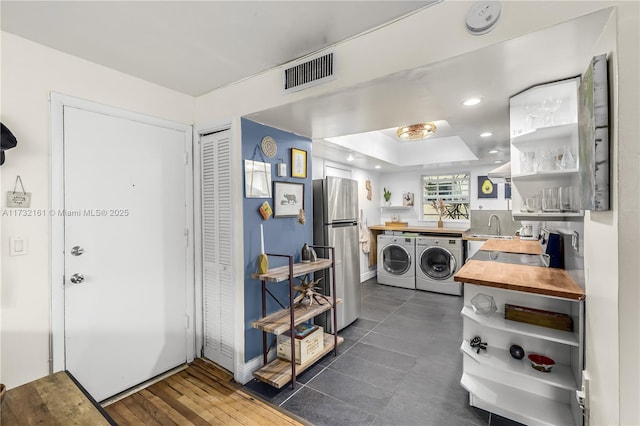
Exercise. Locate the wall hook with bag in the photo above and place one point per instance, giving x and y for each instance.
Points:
(18, 199)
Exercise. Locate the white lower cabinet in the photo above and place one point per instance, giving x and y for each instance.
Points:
(501, 384)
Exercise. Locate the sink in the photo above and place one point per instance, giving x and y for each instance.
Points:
(487, 236)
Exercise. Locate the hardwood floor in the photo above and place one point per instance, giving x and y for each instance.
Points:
(202, 394)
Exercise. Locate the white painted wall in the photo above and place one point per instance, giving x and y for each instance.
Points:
(402, 46)
(611, 246)
(29, 73)
(399, 183)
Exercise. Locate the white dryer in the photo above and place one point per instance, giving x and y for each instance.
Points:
(437, 260)
(396, 257)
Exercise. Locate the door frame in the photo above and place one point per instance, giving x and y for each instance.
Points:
(57, 360)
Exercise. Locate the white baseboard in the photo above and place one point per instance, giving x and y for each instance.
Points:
(245, 373)
(367, 275)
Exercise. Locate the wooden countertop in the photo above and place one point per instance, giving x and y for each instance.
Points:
(529, 279)
(513, 246)
(423, 229)
(51, 400)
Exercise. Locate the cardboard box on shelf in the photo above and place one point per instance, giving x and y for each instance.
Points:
(308, 345)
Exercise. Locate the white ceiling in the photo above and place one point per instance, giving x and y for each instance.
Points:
(195, 47)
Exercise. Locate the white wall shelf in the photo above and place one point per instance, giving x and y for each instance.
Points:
(496, 321)
(544, 175)
(523, 406)
(396, 207)
(546, 215)
(545, 133)
(498, 359)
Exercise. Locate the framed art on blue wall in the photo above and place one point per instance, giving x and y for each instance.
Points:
(288, 199)
(298, 163)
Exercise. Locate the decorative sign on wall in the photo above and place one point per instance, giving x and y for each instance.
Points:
(486, 188)
(18, 199)
(594, 136)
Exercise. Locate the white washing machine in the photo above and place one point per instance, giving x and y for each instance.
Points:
(396, 257)
(437, 260)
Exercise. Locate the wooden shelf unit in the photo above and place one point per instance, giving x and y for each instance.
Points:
(279, 372)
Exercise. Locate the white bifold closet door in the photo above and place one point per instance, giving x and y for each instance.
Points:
(218, 298)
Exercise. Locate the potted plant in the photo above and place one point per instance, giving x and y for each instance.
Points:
(387, 197)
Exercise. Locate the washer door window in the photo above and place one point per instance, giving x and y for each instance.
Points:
(396, 259)
(437, 263)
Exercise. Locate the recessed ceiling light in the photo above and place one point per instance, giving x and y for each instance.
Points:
(350, 157)
(472, 101)
(493, 151)
(377, 166)
(485, 134)
(498, 161)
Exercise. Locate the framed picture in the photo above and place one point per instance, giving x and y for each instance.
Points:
(486, 188)
(298, 163)
(288, 198)
(407, 199)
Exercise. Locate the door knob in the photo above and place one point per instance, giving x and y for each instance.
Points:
(77, 278)
(77, 251)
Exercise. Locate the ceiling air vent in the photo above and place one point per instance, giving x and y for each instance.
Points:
(309, 73)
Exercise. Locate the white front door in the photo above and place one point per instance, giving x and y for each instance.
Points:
(125, 250)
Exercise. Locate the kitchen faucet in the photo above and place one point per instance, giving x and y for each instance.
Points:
(497, 220)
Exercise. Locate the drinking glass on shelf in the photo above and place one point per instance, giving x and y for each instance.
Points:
(550, 106)
(527, 160)
(565, 194)
(533, 204)
(550, 200)
(566, 161)
(531, 114)
(546, 160)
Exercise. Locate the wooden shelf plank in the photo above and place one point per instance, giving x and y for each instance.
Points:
(516, 404)
(282, 273)
(277, 373)
(497, 322)
(279, 321)
(499, 359)
(529, 279)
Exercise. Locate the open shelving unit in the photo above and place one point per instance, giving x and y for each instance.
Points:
(530, 133)
(279, 372)
(501, 384)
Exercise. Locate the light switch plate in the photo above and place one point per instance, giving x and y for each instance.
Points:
(18, 246)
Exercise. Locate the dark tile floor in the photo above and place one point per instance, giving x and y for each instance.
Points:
(400, 364)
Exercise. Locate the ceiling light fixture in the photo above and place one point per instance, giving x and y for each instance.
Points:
(472, 101)
(493, 151)
(377, 166)
(498, 161)
(416, 132)
(350, 157)
(486, 134)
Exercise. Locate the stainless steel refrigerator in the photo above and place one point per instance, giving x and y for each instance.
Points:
(335, 223)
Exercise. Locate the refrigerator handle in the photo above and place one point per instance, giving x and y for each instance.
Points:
(342, 224)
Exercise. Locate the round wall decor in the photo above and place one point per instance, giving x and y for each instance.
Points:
(269, 147)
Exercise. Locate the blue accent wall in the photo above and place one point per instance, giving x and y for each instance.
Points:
(281, 235)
